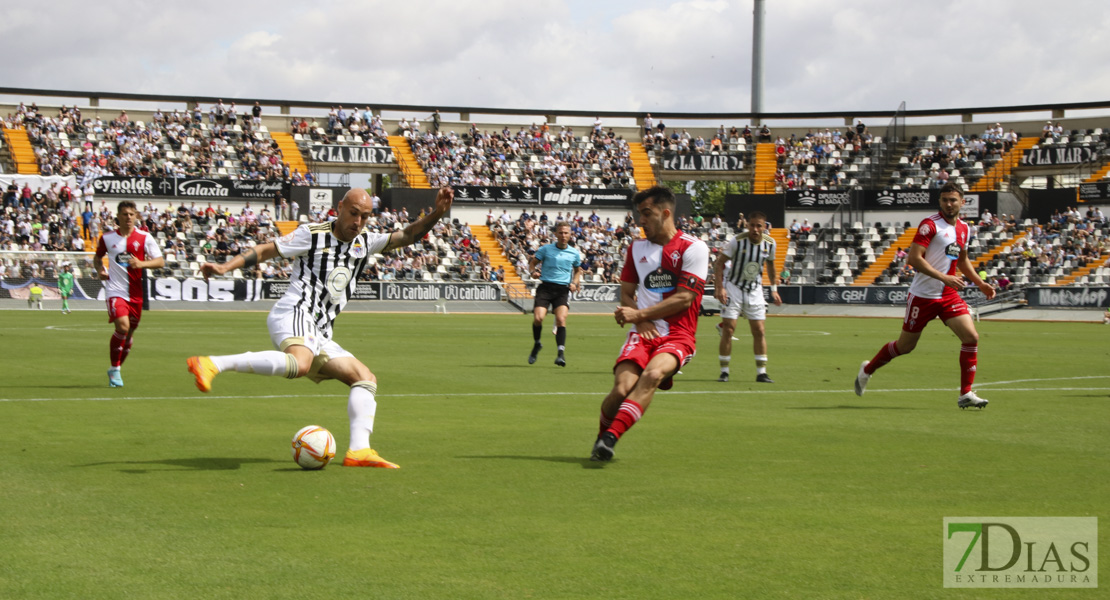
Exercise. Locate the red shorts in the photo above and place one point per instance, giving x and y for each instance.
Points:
(121, 307)
(919, 311)
(640, 351)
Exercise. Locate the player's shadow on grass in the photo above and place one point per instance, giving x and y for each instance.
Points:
(573, 460)
(854, 407)
(182, 464)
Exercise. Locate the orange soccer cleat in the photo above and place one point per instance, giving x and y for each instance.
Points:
(204, 370)
(367, 457)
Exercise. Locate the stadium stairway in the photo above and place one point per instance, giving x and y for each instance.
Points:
(986, 257)
(289, 151)
(22, 153)
(641, 166)
(781, 236)
(1098, 175)
(286, 227)
(871, 274)
(1074, 276)
(766, 163)
(410, 168)
(1001, 170)
(496, 254)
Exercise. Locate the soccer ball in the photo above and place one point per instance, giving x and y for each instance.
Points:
(313, 447)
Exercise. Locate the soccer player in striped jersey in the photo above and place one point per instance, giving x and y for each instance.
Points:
(328, 259)
(662, 283)
(738, 283)
(939, 255)
(129, 251)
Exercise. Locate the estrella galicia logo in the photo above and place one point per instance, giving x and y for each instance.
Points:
(123, 259)
(1056, 552)
(952, 251)
(660, 281)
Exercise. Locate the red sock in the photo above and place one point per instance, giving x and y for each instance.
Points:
(115, 349)
(886, 354)
(125, 350)
(627, 416)
(605, 423)
(969, 359)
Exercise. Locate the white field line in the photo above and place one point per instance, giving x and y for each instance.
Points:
(600, 392)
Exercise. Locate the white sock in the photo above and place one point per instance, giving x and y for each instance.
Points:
(361, 408)
(760, 364)
(724, 360)
(270, 362)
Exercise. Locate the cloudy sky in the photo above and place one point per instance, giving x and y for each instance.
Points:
(620, 55)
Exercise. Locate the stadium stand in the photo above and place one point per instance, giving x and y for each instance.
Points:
(219, 143)
(530, 157)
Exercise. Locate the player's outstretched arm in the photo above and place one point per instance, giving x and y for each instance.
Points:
(249, 258)
(421, 227)
(968, 269)
(719, 291)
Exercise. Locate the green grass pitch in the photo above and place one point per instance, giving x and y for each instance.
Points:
(798, 489)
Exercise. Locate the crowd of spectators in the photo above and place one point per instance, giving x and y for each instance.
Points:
(657, 138)
(532, 156)
(40, 220)
(935, 159)
(359, 127)
(173, 144)
(819, 158)
(1070, 239)
(601, 241)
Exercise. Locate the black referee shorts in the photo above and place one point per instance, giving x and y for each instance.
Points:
(552, 295)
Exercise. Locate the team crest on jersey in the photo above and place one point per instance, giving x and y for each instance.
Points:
(675, 257)
(358, 250)
(926, 229)
(136, 245)
(287, 238)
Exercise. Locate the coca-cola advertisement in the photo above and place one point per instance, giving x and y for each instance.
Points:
(594, 292)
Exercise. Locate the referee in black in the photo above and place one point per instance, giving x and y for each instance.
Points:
(560, 273)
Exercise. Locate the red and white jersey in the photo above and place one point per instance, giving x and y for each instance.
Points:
(124, 282)
(660, 270)
(943, 242)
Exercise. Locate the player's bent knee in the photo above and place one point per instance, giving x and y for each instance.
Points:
(652, 377)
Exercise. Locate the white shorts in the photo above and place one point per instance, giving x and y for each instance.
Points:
(749, 303)
(290, 327)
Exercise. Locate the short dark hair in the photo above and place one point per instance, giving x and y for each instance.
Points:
(950, 187)
(127, 204)
(757, 215)
(657, 194)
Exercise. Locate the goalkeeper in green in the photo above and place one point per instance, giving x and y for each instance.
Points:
(65, 287)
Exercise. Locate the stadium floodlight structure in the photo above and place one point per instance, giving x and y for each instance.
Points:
(757, 60)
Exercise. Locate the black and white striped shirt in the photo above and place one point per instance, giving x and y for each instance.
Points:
(746, 271)
(325, 270)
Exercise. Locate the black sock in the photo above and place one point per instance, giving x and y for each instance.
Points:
(537, 331)
(560, 337)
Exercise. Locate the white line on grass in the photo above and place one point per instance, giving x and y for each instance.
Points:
(588, 393)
